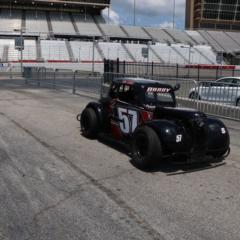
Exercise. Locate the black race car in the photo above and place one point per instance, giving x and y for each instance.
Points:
(144, 113)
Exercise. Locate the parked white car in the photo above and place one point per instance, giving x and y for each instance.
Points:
(224, 90)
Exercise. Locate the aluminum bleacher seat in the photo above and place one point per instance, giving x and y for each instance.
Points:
(36, 22)
(136, 51)
(159, 35)
(86, 25)
(61, 23)
(197, 37)
(180, 36)
(191, 54)
(112, 30)
(211, 41)
(208, 52)
(83, 51)
(54, 50)
(113, 51)
(235, 36)
(224, 41)
(168, 54)
(136, 32)
(10, 20)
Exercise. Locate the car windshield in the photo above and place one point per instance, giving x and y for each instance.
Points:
(162, 97)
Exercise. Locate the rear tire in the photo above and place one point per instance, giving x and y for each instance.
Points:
(195, 96)
(89, 123)
(146, 149)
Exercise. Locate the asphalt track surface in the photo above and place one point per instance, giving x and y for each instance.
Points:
(55, 184)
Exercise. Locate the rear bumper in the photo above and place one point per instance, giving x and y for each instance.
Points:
(201, 156)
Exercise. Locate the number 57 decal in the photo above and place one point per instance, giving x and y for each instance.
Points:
(128, 120)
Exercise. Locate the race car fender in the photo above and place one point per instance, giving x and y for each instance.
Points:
(97, 107)
(218, 135)
(173, 136)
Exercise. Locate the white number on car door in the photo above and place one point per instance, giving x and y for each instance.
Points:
(128, 120)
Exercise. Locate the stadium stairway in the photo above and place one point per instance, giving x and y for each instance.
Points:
(49, 23)
(204, 56)
(98, 26)
(100, 51)
(128, 52)
(70, 52)
(156, 54)
(179, 53)
(74, 24)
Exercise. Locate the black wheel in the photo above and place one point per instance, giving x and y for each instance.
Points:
(89, 123)
(238, 102)
(146, 149)
(194, 95)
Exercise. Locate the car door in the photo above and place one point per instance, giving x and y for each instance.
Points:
(125, 115)
(226, 93)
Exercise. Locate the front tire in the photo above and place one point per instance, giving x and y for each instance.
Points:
(146, 149)
(89, 123)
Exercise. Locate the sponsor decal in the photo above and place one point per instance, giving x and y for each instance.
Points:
(158, 90)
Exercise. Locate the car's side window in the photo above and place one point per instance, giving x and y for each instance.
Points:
(113, 91)
(126, 93)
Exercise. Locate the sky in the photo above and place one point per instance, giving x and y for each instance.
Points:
(158, 13)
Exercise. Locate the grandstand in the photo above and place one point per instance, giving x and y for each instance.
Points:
(75, 31)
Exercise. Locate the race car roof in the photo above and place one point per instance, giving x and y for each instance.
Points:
(129, 80)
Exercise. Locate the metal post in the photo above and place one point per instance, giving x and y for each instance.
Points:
(74, 83)
(93, 56)
(21, 31)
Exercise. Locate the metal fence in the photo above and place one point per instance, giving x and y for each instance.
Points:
(197, 72)
(220, 100)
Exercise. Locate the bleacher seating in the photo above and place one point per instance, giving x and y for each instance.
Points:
(211, 41)
(224, 41)
(207, 51)
(83, 51)
(112, 30)
(180, 36)
(1, 51)
(54, 50)
(86, 25)
(10, 20)
(197, 37)
(136, 51)
(136, 32)
(36, 22)
(190, 54)
(235, 36)
(61, 23)
(159, 35)
(113, 51)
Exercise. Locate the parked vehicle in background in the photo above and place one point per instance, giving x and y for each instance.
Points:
(144, 114)
(224, 90)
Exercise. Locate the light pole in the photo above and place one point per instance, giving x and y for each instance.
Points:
(174, 9)
(134, 12)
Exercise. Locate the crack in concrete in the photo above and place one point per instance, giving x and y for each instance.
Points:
(131, 213)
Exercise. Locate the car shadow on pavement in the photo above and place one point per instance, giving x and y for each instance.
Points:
(167, 166)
